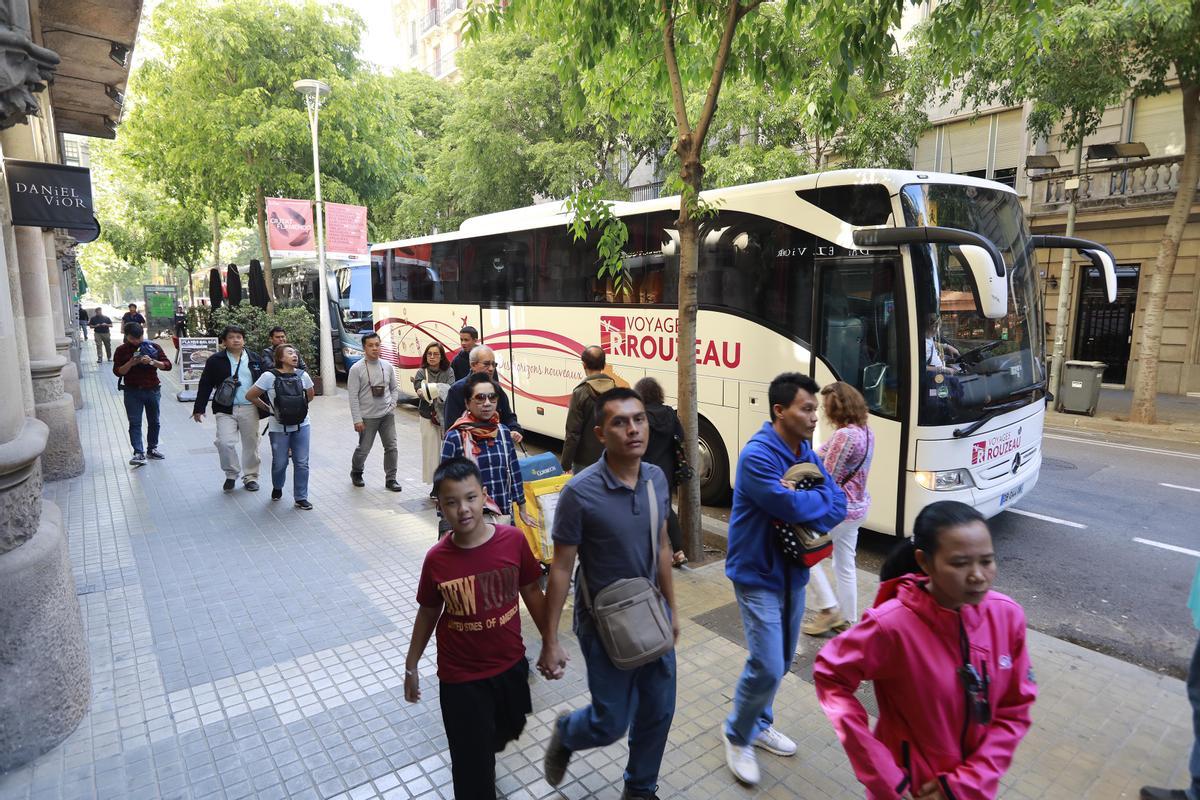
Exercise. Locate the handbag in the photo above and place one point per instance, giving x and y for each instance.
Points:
(226, 392)
(801, 545)
(630, 614)
(683, 470)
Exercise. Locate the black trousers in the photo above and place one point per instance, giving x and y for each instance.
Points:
(481, 718)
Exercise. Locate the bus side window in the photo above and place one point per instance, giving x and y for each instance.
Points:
(379, 277)
(451, 282)
(857, 333)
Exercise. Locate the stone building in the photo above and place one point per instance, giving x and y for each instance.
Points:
(64, 71)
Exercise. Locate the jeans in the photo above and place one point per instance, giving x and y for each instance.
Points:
(386, 428)
(641, 701)
(137, 400)
(1193, 691)
(845, 541)
(296, 441)
(240, 427)
(771, 621)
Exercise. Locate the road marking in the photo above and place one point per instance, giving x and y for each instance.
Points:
(1055, 520)
(1176, 486)
(1173, 548)
(1154, 450)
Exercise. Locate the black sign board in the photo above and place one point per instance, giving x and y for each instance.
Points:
(50, 195)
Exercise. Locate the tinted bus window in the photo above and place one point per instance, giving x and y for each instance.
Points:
(563, 269)
(379, 292)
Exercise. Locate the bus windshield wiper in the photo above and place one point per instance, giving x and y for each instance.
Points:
(988, 413)
(1033, 387)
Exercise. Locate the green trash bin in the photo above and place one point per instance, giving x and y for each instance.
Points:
(1079, 386)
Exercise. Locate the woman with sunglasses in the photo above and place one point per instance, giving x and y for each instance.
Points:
(479, 436)
(948, 661)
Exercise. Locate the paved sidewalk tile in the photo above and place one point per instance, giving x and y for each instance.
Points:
(242, 648)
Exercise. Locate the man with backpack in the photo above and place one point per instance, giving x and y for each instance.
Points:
(136, 364)
(580, 447)
(289, 391)
(227, 377)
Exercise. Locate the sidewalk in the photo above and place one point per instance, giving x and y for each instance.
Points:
(243, 648)
(1178, 417)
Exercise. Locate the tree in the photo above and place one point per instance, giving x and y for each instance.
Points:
(664, 52)
(215, 118)
(110, 278)
(499, 140)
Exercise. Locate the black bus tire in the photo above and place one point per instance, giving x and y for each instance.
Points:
(714, 479)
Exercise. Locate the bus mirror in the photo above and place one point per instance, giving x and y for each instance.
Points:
(1100, 256)
(1103, 261)
(991, 291)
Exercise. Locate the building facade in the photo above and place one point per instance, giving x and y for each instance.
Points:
(84, 48)
(1122, 203)
(430, 34)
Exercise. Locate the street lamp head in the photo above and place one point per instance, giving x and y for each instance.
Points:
(312, 89)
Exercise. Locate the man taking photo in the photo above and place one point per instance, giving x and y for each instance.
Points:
(137, 363)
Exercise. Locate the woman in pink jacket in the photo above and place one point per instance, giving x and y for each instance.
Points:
(948, 661)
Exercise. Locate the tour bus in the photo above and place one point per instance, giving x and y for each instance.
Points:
(920, 289)
(297, 280)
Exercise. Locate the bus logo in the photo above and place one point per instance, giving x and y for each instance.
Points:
(997, 447)
(612, 334)
(978, 453)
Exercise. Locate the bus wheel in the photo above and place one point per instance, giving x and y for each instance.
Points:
(713, 469)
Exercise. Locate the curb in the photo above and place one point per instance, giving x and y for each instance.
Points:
(1180, 432)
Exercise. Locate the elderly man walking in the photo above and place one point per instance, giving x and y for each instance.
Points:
(482, 360)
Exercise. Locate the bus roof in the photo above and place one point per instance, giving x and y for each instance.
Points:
(544, 215)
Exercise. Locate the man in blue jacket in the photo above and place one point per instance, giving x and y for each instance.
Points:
(770, 589)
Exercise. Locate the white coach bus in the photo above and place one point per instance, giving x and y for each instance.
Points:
(918, 288)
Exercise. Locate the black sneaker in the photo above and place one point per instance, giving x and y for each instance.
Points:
(356, 479)
(629, 794)
(154, 454)
(276, 494)
(138, 459)
(1156, 793)
(251, 486)
(554, 765)
(229, 485)
(394, 486)
(304, 505)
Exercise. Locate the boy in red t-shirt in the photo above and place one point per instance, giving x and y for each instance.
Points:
(468, 591)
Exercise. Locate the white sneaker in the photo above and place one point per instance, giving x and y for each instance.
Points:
(742, 761)
(775, 742)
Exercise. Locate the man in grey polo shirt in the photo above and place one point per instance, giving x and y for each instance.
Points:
(603, 517)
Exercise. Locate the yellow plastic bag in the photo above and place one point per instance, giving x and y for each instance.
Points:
(540, 500)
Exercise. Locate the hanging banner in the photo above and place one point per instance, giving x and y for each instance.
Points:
(290, 227)
(51, 196)
(345, 232)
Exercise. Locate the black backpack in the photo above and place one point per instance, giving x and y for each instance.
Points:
(291, 399)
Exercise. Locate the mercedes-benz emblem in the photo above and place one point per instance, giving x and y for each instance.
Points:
(1016, 463)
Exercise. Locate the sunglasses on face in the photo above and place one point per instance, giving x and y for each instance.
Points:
(484, 398)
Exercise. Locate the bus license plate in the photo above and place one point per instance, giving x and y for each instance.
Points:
(1010, 495)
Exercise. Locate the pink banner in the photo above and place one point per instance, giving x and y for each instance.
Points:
(290, 227)
(345, 231)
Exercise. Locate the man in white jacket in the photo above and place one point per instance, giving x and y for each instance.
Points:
(372, 387)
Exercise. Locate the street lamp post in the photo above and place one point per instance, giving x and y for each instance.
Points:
(314, 92)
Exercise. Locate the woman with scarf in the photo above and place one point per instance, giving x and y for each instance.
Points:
(431, 383)
(479, 436)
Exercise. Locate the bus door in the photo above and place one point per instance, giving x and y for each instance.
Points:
(858, 340)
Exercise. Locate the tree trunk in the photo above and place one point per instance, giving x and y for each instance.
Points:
(191, 293)
(261, 200)
(690, 515)
(1145, 386)
(216, 238)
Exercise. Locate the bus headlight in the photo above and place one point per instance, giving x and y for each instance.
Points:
(945, 480)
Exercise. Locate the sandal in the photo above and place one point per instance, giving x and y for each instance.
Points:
(679, 559)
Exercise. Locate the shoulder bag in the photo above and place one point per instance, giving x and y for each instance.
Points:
(801, 545)
(227, 390)
(630, 614)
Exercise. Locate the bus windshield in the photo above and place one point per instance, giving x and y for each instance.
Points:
(973, 365)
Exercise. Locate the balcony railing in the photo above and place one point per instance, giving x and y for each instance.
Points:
(1148, 182)
(649, 191)
(448, 7)
(431, 19)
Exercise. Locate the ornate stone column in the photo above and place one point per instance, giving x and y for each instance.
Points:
(69, 270)
(45, 677)
(52, 405)
(62, 342)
